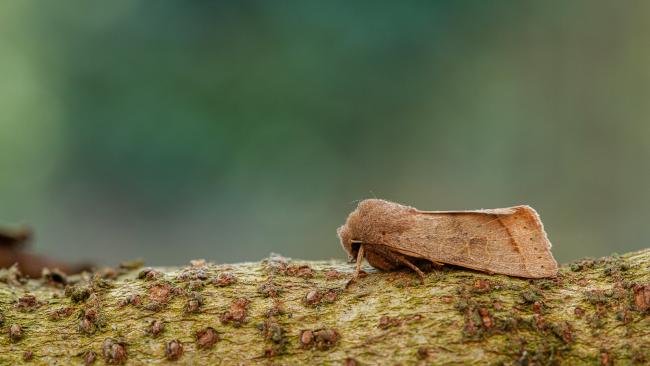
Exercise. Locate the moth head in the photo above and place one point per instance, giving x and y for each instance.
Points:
(369, 223)
(345, 235)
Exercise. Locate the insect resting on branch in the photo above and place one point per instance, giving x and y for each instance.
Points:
(509, 241)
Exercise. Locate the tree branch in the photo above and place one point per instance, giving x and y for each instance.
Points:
(294, 312)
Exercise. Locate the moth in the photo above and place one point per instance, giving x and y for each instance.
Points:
(509, 241)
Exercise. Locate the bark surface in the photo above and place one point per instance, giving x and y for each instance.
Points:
(286, 312)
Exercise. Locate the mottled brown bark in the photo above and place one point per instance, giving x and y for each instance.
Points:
(286, 312)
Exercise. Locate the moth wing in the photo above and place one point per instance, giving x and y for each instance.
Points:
(509, 241)
(494, 211)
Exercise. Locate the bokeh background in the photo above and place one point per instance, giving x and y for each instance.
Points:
(228, 130)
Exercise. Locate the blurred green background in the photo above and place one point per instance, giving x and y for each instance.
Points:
(172, 130)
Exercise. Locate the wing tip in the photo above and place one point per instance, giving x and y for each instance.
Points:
(537, 221)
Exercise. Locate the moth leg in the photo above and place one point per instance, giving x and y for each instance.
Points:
(412, 266)
(357, 271)
(360, 255)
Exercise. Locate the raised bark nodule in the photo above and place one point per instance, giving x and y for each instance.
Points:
(286, 312)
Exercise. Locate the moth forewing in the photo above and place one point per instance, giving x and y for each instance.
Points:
(510, 241)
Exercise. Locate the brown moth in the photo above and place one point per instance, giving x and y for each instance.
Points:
(509, 241)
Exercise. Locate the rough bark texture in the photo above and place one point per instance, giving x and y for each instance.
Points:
(286, 312)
